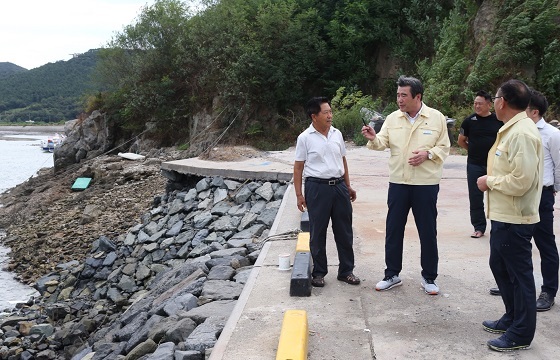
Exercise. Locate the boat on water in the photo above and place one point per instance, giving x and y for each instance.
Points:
(49, 144)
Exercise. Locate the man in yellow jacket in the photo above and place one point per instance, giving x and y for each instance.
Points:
(417, 137)
(514, 184)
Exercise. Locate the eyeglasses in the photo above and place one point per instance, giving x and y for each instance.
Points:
(496, 97)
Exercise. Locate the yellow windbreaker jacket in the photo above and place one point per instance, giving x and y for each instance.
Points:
(515, 173)
(428, 133)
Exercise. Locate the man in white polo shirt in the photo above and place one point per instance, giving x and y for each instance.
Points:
(321, 160)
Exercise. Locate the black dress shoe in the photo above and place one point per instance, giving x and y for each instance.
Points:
(545, 301)
(494, 291)
(503, 343)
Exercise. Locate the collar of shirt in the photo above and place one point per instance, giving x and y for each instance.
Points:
(413, 119)
(311, 129)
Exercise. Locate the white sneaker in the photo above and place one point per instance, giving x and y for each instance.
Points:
(388, 282)
(430, 287)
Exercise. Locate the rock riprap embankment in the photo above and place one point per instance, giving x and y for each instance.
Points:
(163, 290)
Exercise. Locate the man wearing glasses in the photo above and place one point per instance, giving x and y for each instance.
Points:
(514, 185)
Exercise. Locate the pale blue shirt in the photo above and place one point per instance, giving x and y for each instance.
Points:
(322, 155)
(550, 137)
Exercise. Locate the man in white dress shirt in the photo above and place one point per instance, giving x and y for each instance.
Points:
(544, 232)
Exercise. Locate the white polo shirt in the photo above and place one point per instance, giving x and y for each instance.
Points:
(322, 155)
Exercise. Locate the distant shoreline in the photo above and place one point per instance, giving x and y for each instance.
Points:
(6, 129)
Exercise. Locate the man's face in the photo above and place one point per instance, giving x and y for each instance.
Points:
(406, 102)
(324, 117)
(481, 105)
(499, 105)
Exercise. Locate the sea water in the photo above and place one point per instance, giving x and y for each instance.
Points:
(20, 158)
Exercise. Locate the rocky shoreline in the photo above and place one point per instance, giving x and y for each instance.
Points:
(133, 267)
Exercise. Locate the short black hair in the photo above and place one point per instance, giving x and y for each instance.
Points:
(538, 102)
(314, 105)
(415, 85)
(484, 94)
(516, 93)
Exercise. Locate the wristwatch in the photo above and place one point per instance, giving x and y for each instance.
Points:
(430, 155)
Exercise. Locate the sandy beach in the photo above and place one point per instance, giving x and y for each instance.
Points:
(32, 129)
(47, 130)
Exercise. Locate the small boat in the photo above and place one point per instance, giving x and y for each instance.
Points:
(52, 142)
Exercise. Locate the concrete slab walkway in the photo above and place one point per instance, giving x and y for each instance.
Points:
(356, 322)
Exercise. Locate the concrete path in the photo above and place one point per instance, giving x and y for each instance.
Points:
(356, 322)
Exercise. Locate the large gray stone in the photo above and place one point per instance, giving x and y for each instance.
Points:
(126, 332)
(218, 182)
(237, 243)
(164, 351)
(258, 207)
(219, 195)
(176, 206)
(175, 229)
(190, 196)
(250, 233)
(267, 216)
(265, 191)
(242, 276)
(151, 228)
(145, 348)
(188, 355)
(220, 290)
(199, 237)
(182, 302)
(222, 308)
(228, 252)
(110, 259)
(231, 184)
(141, 335)
(243, 195)
(184, 237)
(221, 208)
(221, 272)
(202, 219)
(248, 219)
(206, 334)
(225, 223)
(178, 331)
(240, 210)
(203, 184)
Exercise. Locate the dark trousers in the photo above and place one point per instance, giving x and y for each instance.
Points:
(476, 197)
(423, 201)
(511, 264)
(330, 202)
(546, 243)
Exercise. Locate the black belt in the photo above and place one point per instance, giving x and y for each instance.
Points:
(550, 187)
(331, 181)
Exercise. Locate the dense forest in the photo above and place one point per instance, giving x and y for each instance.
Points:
(245, 67)
(51, 93)
(7, 69)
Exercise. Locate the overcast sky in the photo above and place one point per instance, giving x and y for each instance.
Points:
(36, 32)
